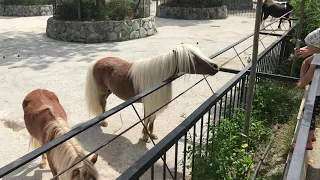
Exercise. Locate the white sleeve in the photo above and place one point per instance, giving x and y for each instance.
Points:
(316, 59)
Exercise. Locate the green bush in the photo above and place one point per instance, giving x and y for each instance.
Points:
(227, 156)
(123, 9)
(113, 10)
(26, 2)
(195, 3)
(274, 101)
(312, 15)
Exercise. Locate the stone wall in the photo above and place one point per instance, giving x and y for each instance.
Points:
(100, 31)
(192, 13)
(25, 10)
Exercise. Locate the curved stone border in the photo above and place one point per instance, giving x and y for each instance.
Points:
(192, 13)
(25, 10)
(100, 31)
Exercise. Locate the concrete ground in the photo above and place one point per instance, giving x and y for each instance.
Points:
(313, 170)
(29, 60)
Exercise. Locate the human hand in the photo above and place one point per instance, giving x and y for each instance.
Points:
(302, 52)
(300, 85)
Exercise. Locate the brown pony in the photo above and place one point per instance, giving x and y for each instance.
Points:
(46, 120)
(125, 80)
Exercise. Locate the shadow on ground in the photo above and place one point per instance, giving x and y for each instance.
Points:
(21, 173)
(37, 51)
(121, 153)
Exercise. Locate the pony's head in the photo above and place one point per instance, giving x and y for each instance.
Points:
(85, 170)
(192, 61)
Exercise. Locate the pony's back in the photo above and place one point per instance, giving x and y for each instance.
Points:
(41, 107)
(39, 100)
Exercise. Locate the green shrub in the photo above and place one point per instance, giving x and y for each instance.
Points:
(312, 15)
(274, 101)
(26, 2)
(195, 3)
(121, 9)
(113, 9)
(227, 156)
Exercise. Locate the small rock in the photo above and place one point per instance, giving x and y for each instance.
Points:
(145, 25)
(112, 36)
(91, 28)
(150, 32)
(117, 29)
(143, 32)
(135, 26)
(134, 35)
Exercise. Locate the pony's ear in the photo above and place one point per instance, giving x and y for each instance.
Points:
(94, 158)
(75, 173)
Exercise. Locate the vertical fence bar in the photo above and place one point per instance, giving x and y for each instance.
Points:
(176, 161)
(201, 131)
(184, 157)
(193, 146)
(164, 165)
(79, 10)
(230, 104)
(144, 7)
(225, 105)
(208, 132)
(152, 172)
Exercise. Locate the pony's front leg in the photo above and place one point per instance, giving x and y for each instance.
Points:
(43, 162)
(152, 135)
(52, 168)
(103, 103)
(145, 134)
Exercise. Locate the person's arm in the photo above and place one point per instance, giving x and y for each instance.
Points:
(305, 66)
(308, 77)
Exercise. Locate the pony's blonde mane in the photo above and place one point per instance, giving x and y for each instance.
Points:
(67, 153)
(147, 73)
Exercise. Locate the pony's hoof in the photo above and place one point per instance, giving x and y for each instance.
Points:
(153, 136)
(146, 139)
(42, 165)
(104, 124)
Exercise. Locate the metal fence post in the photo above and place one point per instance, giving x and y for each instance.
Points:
(144, 8)
(54, 6)
(79, 10)
(298, 43)
(253, 68)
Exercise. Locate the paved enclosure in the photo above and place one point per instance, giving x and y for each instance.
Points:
(30, 60)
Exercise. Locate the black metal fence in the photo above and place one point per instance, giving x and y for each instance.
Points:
(171, 152)
(221, 105)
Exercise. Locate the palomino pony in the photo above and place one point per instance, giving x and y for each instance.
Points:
(125, 80)
(46, 120)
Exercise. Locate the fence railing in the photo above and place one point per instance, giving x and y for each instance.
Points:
(295, 171)
(229, 97)
(194, 129)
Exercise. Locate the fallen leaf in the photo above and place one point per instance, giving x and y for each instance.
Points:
(311, 161)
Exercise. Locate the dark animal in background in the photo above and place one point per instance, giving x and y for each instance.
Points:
(275, 10)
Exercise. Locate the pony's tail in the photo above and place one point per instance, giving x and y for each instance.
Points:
(33, 143)
(92, 93)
